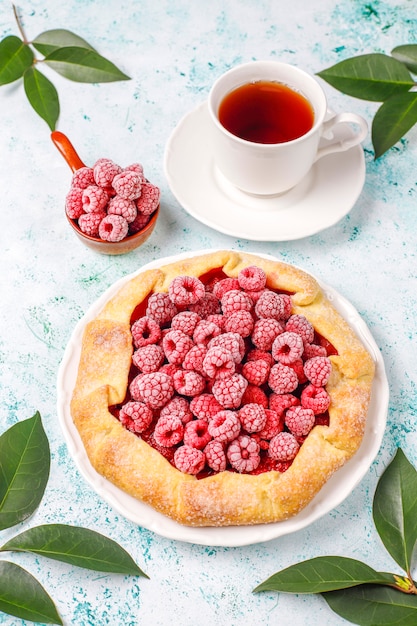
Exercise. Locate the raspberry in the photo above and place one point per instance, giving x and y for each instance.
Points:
(317, 370)
(113, 227)
(94, 199)
(283, 447)
(315, 398)
(148, 358)
(136, 416)
(255, 354)
(145, 331)
(194, 358)
(169, 368)
(134, 388)
(156, 389)
(229, 391)
(139, 223)
(274, 424)
(256, 395)
(270, 305)
(286, 299)
(185, 321)
(252, 278)
(224, 426)
(218, 319)
(148, 200)
(169, 431)
(205, 331)
(104, 170)
(243, 454)
(252, 417)
(186, 290)
(287, 347)
(281, 402)
(161, 308)
(178, 407)
(255, 295)
(189, 460)
(83, 177)
(122, 206)
(188, 383)
(265, 331)
(215, 455)
(298, 367)
(312, 349)
(196, 434)
(208, 305)
(256, 372)
(235, 300)
(205, 406)
(226, 284)
(233, 342)
(176, 344)
(282, 379)
(218, 363)
(89, 223)
(240, 322)
(137, 168)
(299, 420)
(300, 324)
(73, 203)
(127, 184)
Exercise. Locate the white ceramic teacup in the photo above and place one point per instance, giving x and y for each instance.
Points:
(273, 168)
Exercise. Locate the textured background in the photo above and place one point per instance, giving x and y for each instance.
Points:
(174, 51)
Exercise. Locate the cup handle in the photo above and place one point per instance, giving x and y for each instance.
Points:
(346, 141)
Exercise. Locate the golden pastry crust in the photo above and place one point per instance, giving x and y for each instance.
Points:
(226, 498)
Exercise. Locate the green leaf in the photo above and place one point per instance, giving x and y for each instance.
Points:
(408, 55)
(83, 66)
(23, 596)
(42, 95)
(24, 470)
(392, 120)
(395, 510)
(370, 605)
(323, 574)
(15, 58)
(78, 546)
(374, 77)
(51, 40)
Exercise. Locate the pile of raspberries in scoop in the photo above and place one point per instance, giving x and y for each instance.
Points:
(227, 375)
(109, 202)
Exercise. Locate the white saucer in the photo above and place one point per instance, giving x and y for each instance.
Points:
(327, 194)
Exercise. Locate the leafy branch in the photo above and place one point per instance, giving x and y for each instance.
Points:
(381, 78)
(64, 52)
(24, 473)
(351, 588)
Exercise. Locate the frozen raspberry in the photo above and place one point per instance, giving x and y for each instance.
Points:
(196, 434)
(188, 383)
(283, 447)
(215, 455)
(252, 278)
(134, 388)
(74, 203)
(270, 305)
(205, 406)
(176, 344)
(148, 200)
(255, 295)
(83, 177)
(218, 319)
(255, 394)
(243, 454)
(127, 185)
(315, 398)
(137, 168)
(318, 370)
(286, 299)
(218, 363)
(145, 331)
(226, 284)
(189, 460)
(255, 354)
(274, 424)
(169, 431)
(313, 349)
(139, 223)
(299, 420)
(233, 342)
(94, 199)
(104, 171)
(169, 368)
(113, 228)
(287, 347)
(280, 402)
(156, 389)
(148, 358)
(224, 426)
(186, 321)
(282, 379)
(161, 308)
(235, 300)
(300, 324)
(252, 417)
(204, 332)
(186, 290)
(229, 391)
(136, 416)
(256, 372)
(207, 305)
(265, 331)
(122, 206)
(239, 322)
(89, 223)
(194, 358)
(178, 407)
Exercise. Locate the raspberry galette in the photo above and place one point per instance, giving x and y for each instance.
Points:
(223, 389)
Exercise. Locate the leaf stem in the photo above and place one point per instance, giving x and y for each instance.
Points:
(19, 25)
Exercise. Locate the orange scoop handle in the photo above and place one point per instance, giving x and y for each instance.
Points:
(67, 150)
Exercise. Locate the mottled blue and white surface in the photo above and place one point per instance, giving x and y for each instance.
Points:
(173, 51)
